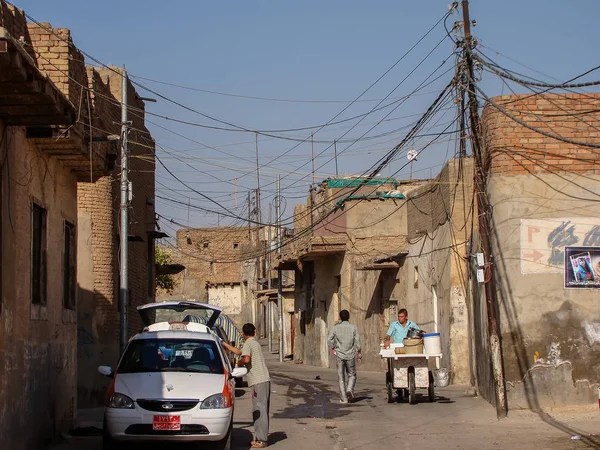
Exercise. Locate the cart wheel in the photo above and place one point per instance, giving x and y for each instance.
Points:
(390, 388)
(412, 396)
(431, 389)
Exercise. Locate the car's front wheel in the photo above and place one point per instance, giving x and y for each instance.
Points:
(225, 443)
(108, 443)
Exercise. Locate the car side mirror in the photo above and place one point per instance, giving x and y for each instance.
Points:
(239, 372)
(106, 371)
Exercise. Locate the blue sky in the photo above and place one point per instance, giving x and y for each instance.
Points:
(322, 52)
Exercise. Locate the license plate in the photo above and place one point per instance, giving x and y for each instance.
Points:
(187, 354)
(172, 423)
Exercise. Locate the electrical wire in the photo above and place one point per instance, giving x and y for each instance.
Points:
(526, 125)
(249, 97)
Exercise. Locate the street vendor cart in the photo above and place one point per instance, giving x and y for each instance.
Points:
(408, 372)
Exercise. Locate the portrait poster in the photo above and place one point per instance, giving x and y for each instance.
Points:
(582, 267)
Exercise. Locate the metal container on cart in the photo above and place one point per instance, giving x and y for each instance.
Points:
(408, 372)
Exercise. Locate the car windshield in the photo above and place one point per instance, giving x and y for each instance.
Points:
(171, 355)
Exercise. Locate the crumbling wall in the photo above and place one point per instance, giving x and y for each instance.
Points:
(542, 196)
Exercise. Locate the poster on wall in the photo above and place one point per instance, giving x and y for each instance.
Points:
(582, 267)
(543, 241)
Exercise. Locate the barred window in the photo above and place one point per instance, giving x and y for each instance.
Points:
(38, 255)
(69, 267)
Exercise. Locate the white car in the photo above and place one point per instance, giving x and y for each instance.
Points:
(173, 381)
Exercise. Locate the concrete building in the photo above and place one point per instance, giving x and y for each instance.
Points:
(372, 256)
(268, 298)
(440, 218)
(544, 195)
(353, 260)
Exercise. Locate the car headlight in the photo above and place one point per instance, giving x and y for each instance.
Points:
(120, 401)
(217, 401)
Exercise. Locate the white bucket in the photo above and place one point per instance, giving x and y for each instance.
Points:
(432, 343)
(441, 377)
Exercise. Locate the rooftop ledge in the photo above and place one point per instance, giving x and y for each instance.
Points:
(27, 96)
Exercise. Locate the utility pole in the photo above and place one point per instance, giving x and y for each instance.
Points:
(485, 211)
(279, 275)
(188, 217)
(258, 211)
(235, 192)
(269, 307)
(335, 157)
(249, 216)
(124, 288)
(312, 146)
(462, 152)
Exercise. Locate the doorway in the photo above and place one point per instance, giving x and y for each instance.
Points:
(263, 329)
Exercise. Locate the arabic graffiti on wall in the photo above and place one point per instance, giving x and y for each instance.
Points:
(543, 241)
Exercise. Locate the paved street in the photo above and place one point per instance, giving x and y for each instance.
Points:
(306, 414)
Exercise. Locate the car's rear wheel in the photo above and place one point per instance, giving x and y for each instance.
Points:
(225, 443)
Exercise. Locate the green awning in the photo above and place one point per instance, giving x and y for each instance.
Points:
(360, 181)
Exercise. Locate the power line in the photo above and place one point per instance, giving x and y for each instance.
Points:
(249, 97)
(526, 125)
(302, 233)
(390, 93)
(504, 73)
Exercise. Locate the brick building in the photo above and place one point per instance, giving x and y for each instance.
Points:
(221, 267)
(44, 154)
(98, 238)
(56, 180)
(544, 196)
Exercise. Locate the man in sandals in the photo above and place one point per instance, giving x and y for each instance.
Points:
(258, 380)
(345, 343)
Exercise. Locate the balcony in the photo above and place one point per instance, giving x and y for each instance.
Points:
(29, 98)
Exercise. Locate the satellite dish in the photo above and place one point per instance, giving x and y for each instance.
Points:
(412, 155)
